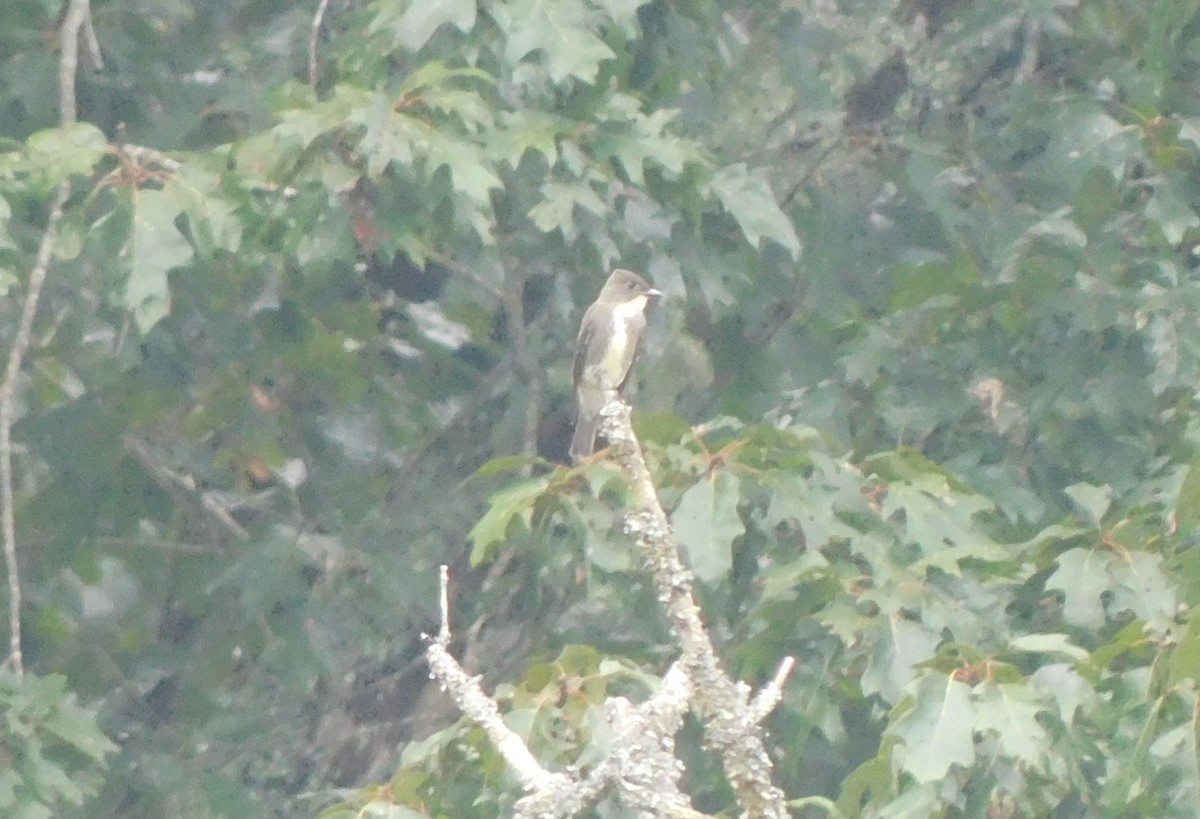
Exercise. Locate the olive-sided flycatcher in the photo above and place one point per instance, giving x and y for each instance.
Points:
(608, 343)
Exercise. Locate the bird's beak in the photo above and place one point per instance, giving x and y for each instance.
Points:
(652, 293)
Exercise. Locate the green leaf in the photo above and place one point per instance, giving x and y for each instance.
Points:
(496, 466)
(1187, 504)
(6, 242)
(871, 777)
(1169, 206)
(1185, 656)
(937, 727)
(1178, 750)
(62, 152)
(1082, 576)
(916, 284)
(809, 503)
(623, 12)
(1093, 501)
(77, 728)
(897, 645)
(503, 506)
(648, 140)
(9, 781)
(942, 522)
(706, 522)
(556, 211)
(1067, 687)
(749, 199)
(470, 172)
(387, 810)
(560, 29)
(157, 247)
(438, 74)
(412, 27)
(1010, 710)
(524, 131)
(1144, 588)
(1048, 644)
(389, 136)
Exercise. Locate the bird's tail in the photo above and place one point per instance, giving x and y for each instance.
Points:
(583, 442)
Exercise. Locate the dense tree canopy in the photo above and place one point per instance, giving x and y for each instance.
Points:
(921, 396)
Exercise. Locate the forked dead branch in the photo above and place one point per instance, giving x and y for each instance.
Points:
(641, 767)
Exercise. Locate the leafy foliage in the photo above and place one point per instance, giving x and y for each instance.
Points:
(54, 754)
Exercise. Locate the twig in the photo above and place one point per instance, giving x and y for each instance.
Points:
(183, 487)
(93, 60)
(810, 170)
(313, 35)
(640, 763)
(469, 696)
(78, 14)
(454, 266)
(770, 696)
(526, 365)
(444, 604)
(159, 544)
(8, 391)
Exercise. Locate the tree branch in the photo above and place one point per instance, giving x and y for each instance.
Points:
(526, 364)
(730, 722)
(183, 487)
(78, 15)
(641, 765)
(314, 35)
(469, 696)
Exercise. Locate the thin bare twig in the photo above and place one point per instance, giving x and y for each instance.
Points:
(91, 57)
(78, 15)
(526, 365)
(454, 266)
(313, 36)
(183, 487)
(812, 168)
(444, 604)
(468, 694)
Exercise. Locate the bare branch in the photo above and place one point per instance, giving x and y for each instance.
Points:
(78, 15)
(92, 59)
(730, 724)
(469, 696)
(769, 697)
(526, 364)
(454, 266)
(644, 745)
(183, 487)
(641, 765)
(313, 36)
(443, 637)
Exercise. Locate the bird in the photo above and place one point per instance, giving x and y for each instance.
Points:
(609, 340)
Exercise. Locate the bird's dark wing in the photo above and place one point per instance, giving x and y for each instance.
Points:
(587, 332)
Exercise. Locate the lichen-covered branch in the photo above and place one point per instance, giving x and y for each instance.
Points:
(641, 767)
(731, 723)
(467, 693)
